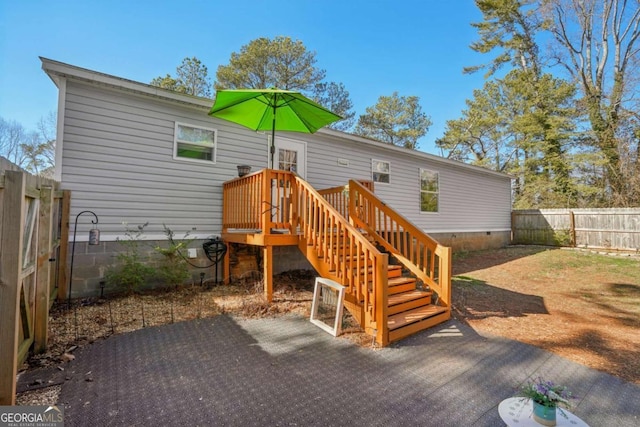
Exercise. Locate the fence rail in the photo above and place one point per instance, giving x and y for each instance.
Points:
(616, 228)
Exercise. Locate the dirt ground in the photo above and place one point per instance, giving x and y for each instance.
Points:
(577, 304)
(582, 306)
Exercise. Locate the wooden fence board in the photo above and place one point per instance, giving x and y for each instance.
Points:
(10, 282)
(43, 276)
(616, 228)
(30, 214)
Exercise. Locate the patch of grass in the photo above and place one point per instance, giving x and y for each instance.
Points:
(467, 281)
(556, 260)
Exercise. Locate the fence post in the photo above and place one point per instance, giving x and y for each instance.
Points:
(11, 243)
(572, 228)
(43, 276)
(63, 283)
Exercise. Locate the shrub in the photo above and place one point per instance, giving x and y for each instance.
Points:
(173, 267)
(132, 271)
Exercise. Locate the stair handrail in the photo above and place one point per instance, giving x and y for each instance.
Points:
(347, 256)
(426, 258)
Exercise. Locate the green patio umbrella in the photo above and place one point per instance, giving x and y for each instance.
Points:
(271, 109)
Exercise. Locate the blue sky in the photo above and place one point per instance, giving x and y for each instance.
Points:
(373, 47)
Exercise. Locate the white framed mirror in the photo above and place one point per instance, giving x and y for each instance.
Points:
(327, 305)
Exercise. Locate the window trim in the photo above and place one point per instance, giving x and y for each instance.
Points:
(437, 193)
(374, 171)
(213, 145)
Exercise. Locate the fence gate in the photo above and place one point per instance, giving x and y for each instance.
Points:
(32, 263)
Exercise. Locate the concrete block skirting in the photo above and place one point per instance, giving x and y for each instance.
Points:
(91, 263)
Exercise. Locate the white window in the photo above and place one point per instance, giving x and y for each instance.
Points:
(287, 160)
(381, 171)
(194, 143)
(429, 191)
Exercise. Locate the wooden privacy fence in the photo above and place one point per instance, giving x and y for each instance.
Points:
(33, 217)
(615, 228)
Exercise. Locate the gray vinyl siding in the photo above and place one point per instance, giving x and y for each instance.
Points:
(118, 162)
(469, 199)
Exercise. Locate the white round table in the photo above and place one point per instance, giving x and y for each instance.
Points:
(518, 411)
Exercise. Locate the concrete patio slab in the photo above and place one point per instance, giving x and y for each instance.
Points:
(285, 371)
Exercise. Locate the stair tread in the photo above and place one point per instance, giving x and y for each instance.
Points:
(417, 314)
(390, 268)
(407, 296)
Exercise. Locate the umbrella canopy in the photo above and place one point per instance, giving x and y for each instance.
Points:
(271, 110)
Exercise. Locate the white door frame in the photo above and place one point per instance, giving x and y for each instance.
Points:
(292, 144)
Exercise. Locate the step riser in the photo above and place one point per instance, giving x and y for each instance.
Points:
(412, 328)
(398, 289)
(396, 272)
(409, 305)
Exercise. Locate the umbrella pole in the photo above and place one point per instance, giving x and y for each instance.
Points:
(273, 141)
(273, 129)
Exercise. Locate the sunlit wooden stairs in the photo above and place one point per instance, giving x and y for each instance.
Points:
(409, 307)
(397, 279)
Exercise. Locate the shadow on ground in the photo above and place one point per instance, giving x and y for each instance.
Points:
(476, 299)
(465, 262)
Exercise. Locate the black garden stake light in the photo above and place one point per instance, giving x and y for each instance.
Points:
(94, 239)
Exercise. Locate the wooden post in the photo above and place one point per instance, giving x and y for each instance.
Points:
(513, 227)
(13, 207)
(445, 272)
(226, 270)
(382, 299)
(43, 276)
(267, 264)
(572, 228)
(265, 202)
(63, 283)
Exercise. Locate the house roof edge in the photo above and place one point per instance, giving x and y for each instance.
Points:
(408, 151)
(56, 69)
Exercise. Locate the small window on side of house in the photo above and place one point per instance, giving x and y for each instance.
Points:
(380, 171)
(429, 190)
(194, 143)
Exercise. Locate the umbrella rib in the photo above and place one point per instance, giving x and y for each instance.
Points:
(264, 113)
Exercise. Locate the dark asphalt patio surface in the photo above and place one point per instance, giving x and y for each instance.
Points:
(288, 372)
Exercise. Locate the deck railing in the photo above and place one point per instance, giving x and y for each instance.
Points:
(260, 201)
(242, 202)
(339, 196)
(421, 254)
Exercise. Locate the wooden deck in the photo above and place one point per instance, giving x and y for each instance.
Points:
(339, 231)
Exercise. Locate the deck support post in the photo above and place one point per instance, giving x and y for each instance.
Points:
(267, 262)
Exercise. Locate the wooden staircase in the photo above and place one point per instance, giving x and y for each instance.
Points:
(348, 235)
(409, 306)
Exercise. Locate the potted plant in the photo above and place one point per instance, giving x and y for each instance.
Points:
(243, 170)
(546, 397)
